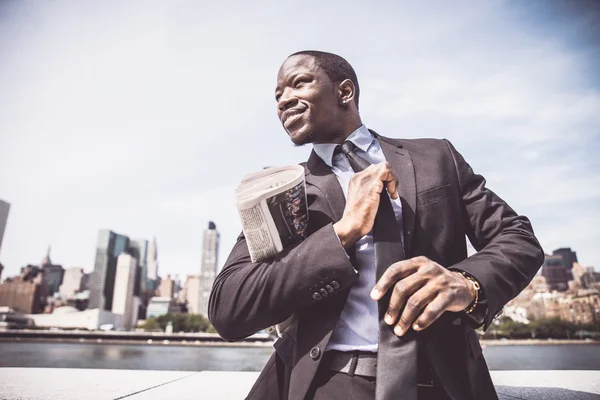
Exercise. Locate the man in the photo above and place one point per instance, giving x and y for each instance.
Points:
(384, 294)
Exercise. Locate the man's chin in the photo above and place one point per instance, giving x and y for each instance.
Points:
(301, 138)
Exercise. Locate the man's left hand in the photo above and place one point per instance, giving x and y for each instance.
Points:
(422, 291)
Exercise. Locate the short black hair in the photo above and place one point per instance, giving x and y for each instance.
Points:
(336, 67)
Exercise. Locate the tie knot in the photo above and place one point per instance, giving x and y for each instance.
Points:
(348, 147)
(345, 148)
(348, 150)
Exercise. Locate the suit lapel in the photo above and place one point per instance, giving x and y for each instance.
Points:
(320, 176)
(403, 168)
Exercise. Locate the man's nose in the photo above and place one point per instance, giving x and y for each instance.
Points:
(286, 101)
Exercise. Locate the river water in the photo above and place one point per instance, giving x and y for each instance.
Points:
(199, 358)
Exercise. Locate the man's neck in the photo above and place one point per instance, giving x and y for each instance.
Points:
(343, 134)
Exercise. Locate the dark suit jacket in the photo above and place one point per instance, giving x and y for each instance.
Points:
(442, 201)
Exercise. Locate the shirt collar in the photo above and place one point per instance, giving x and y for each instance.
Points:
(361, 138)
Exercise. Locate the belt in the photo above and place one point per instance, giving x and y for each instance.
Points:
(365, 364)
(353, 363)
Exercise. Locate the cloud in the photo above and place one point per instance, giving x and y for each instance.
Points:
(145, 128)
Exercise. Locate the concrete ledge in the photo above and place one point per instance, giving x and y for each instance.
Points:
(107, 384)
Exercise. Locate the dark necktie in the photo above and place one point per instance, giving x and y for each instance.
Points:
(397, 356)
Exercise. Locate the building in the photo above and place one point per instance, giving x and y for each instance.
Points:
(152, 266)
(70, 318)
(208, 268)
(569, 257)
(54, 273)
(191, 293)
(167, 287)
(556, 273)
(21, 296)
(582, 308)
(27, 292)
(578, 271)
(123, 299)
(110, 246)
(138, 248)
(80, 301)
(546, 305)
(517, 314)
(177, 287)
(4, 209)
(158, 306)
(538, 284)
(73, 282)
(590, 279)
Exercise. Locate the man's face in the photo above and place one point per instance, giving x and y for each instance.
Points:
(306, 101)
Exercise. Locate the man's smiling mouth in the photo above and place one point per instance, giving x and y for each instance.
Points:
(292, 119)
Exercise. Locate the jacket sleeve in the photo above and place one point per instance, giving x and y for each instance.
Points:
(247, 297)
(508, 253)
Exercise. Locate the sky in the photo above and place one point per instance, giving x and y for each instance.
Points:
(142, 117)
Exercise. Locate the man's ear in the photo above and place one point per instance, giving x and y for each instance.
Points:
(346, 92)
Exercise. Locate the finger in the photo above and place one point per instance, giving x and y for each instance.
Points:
(392, 187)
(414, 305)
(432, 312)
(390, 181)
(403, 289)
(394, 273)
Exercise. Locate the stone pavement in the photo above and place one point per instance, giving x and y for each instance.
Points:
(107, 384)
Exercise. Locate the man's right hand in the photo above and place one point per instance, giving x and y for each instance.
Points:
(362, 202)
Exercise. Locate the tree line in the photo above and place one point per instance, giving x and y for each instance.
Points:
(182, 322)
(545, 328)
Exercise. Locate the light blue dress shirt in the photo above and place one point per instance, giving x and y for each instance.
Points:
(358, 326)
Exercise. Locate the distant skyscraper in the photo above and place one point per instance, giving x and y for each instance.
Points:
(139, 250)
(191, 288)
(152, 262)
(167, 287)
(123, 298)
(177, 286)
(556, 273)
(102, 282)
(569, 257)
(54, 274)
(208, 268)
(73, 282)
(4, 208)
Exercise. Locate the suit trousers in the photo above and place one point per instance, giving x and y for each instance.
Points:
(333, 385)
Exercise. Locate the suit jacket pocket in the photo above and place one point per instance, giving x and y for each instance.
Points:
(435, 194)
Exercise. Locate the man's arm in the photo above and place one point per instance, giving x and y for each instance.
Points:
(247, 297)
(509, 255)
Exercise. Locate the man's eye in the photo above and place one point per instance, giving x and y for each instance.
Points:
(300, 82)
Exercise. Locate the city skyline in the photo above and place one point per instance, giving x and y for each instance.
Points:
(147, 129)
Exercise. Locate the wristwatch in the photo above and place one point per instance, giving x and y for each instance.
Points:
(476, 312)
(477, 287)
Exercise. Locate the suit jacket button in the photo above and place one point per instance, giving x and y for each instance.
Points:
(324, 292)
(335, 285)
(329, 288)
(315, 352)
(316, 296)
